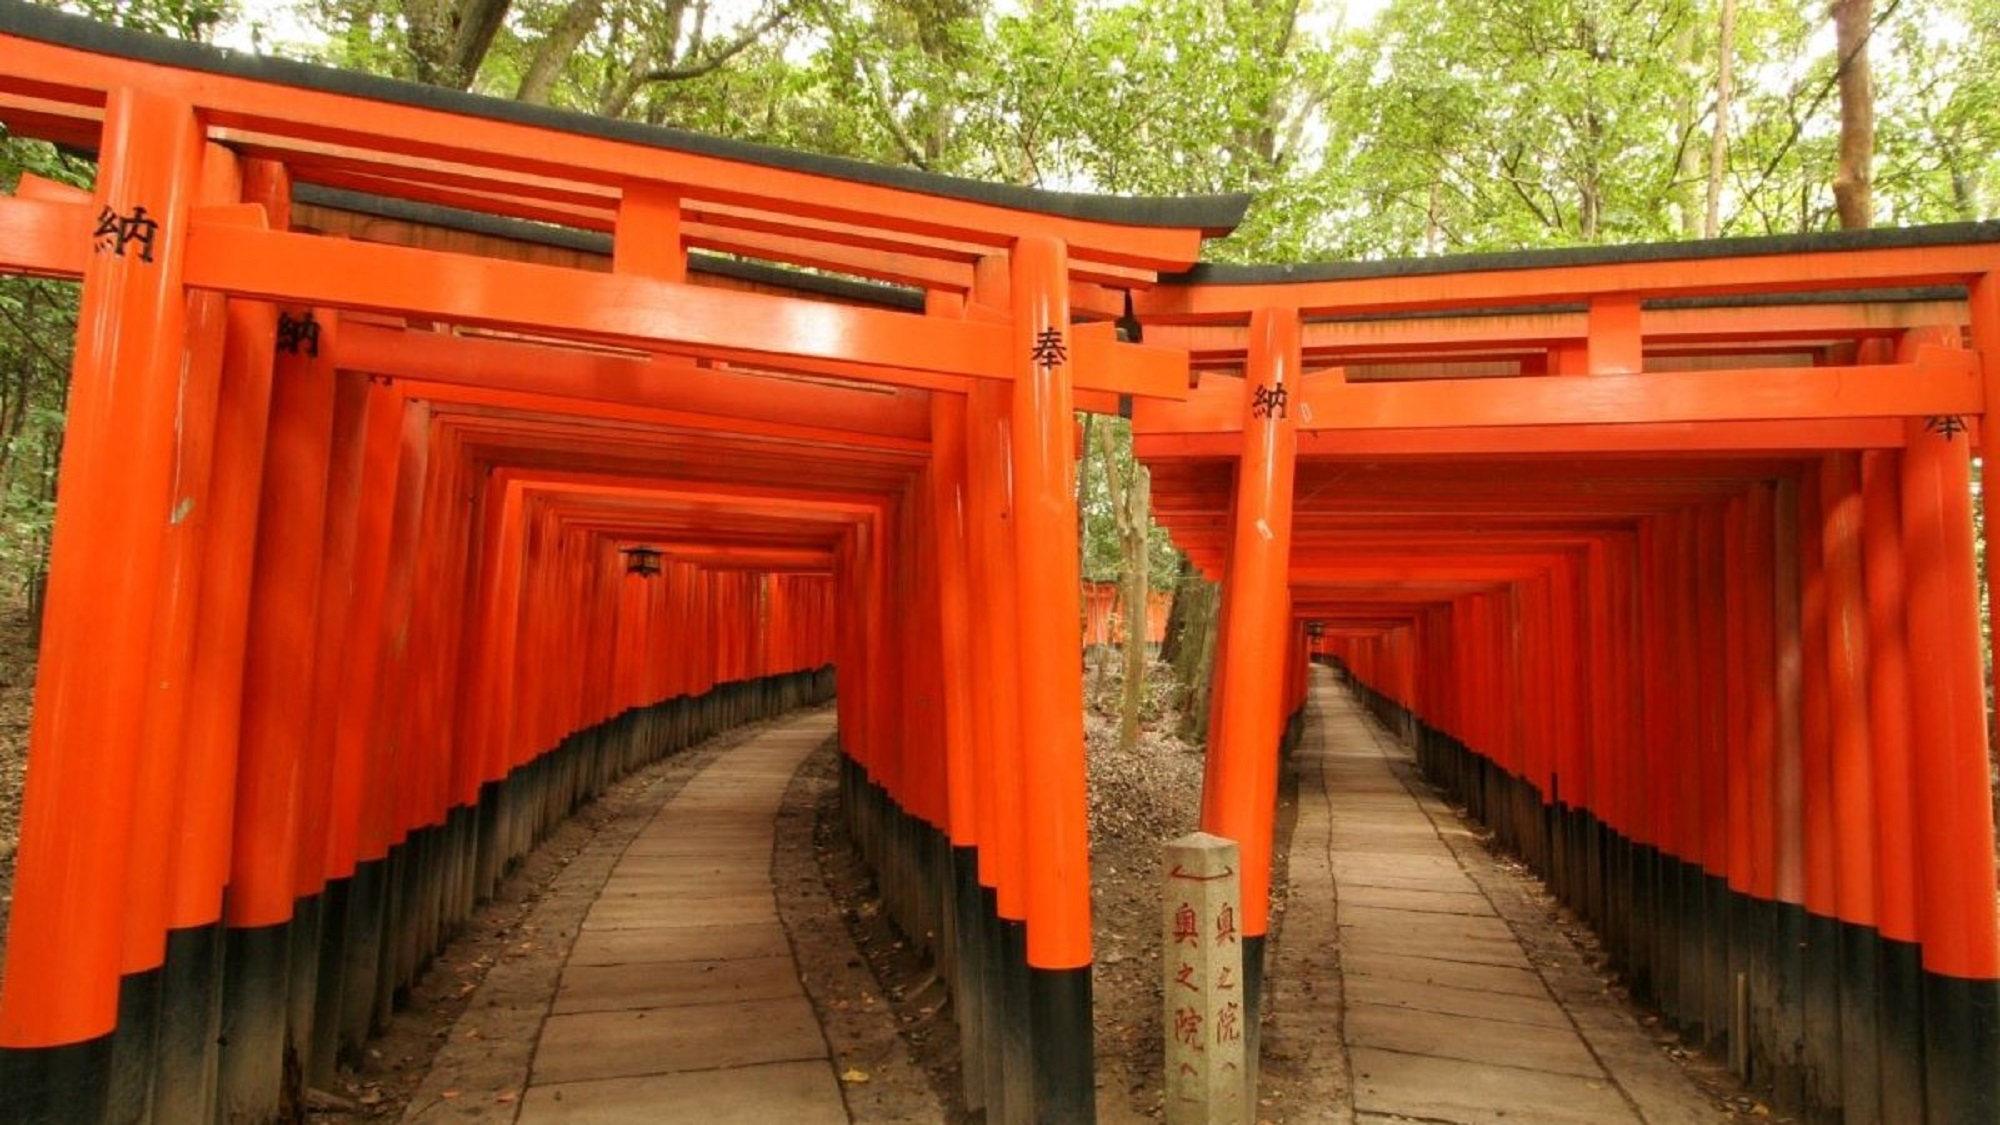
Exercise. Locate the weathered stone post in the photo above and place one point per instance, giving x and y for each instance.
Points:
(1206, 1016)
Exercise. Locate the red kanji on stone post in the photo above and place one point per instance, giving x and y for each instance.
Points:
(1203, 964)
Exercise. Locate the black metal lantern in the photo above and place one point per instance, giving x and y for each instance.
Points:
(1315, 629)
(642, 561)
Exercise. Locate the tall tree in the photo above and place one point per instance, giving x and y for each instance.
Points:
(1718, 150)
(1130, 490)
(1853, 182)
(448, 39)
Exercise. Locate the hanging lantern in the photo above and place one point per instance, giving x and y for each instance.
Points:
(642, 561)
(1315, 629)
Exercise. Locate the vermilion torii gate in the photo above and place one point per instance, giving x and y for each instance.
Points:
(420, 480)
(1665, 555)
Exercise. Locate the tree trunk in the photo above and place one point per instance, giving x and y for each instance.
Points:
(427, 38)
(1177, 610)
(1853, 181)
(448, 39)
(1718, 148)
(555, 49)
(1191, 633)
(1132, 539)
(478, 22)
(1129, 492)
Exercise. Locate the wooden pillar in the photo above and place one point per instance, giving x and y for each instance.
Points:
(1820, 999)
(184, 1085)
(1787, 811)
(950, 515)
(354, 847)
(1239, 791)
(1851, 754)
(1760, 662)
(1952, 788)
(1053, 804)
(61, 998)
(1899, 1002)
(996, 729)
(277, 705)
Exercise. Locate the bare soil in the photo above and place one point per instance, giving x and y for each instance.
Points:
(1139, 799)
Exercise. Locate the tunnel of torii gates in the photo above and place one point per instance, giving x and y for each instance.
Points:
(433, 460)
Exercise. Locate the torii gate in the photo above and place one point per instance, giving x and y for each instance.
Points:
(374, 382)
(1593, 523)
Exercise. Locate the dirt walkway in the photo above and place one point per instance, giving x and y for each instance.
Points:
(681, 988)
(1413, 976)
(1457, 1000)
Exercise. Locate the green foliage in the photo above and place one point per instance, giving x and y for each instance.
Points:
(37, 333)
(181, 19)
(1103, 556)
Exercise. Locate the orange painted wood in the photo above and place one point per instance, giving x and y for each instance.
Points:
(612, 308)
(165, 750)
(1240, 786)
(1042, 450)
(66, 925)
(339, 129)
(1953, 789)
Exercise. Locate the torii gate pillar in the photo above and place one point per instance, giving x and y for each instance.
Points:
(1053, 804)
(1240, 790)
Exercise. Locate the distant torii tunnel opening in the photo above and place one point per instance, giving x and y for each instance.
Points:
(419, 481)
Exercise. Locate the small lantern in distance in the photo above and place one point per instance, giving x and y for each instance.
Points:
(642, 561)
(1315, 629)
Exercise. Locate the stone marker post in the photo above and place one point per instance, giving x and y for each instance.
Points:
(1203, 960)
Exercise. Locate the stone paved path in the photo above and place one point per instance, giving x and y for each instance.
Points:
(1459, 1001)
(680, 1000)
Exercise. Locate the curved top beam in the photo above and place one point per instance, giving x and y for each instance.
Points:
(1204, 214)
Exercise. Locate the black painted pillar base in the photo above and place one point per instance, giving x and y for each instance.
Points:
(184, 1081)
(308, 922)
(1718, 985)
(1788, 943)
(361, 959)
(134, 1047)
(329, 985)
(1961, 1050)
(1742, 1034)
(1254, 947)
(993, 1014)
(55, 1085)
(1859, 960)
(1900, 1016)
(969, 985)
(1017, 1054)
(1642, 871)
(396, 875)
(1822, 1017)
(254, 1016)
(1666, 937)
(1760, 932)
(1065, 1062)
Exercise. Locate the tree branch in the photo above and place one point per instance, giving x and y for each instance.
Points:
(681, 72)
(1819, 99)
(555, 49)
(912, 152)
